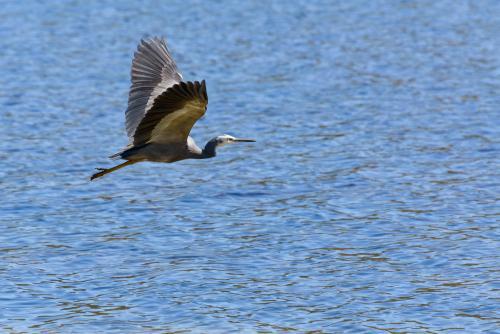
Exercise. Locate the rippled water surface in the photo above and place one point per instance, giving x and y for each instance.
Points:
(369, 203)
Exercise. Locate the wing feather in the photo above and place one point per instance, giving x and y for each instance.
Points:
(153, 72)
(173, 114)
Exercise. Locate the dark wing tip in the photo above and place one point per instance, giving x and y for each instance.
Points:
(190, 89)
(203, 90)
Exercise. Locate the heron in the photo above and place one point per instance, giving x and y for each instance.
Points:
(162, 109)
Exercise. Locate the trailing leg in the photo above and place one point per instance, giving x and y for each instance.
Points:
(104, 171)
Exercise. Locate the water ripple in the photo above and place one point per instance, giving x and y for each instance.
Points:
(369, 203)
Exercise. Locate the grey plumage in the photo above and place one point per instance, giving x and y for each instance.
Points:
(162, 109)
(153, 71)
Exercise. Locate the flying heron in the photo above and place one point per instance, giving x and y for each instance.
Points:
(162, 109)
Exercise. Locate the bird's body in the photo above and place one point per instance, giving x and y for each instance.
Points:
(162, 109)
(159, 152)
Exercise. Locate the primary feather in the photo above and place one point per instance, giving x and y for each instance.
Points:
(153, 72)
(173, 114)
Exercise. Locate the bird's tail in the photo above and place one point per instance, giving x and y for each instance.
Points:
(127, 151)
(116, 156)
(104, 171)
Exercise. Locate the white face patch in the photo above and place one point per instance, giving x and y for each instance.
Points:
(225, 139)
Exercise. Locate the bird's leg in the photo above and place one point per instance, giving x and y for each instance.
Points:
(104, 171)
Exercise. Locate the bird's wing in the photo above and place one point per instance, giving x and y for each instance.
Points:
(153, 71)
(173, 114)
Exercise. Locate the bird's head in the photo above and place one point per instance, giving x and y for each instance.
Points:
(209, 150)
(227, 139)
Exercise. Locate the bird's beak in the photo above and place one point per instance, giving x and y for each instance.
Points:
(244, 140)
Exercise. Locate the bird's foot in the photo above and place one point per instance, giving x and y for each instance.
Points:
(102, 171)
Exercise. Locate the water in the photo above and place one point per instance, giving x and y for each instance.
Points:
(369, 203)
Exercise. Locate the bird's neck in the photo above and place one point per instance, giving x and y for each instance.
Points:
(209, 150)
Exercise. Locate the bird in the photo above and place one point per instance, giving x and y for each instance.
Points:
(162, 109)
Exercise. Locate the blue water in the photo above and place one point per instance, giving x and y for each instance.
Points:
(369, 204)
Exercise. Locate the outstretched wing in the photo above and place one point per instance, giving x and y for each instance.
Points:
(153, 72)
(173, 114)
